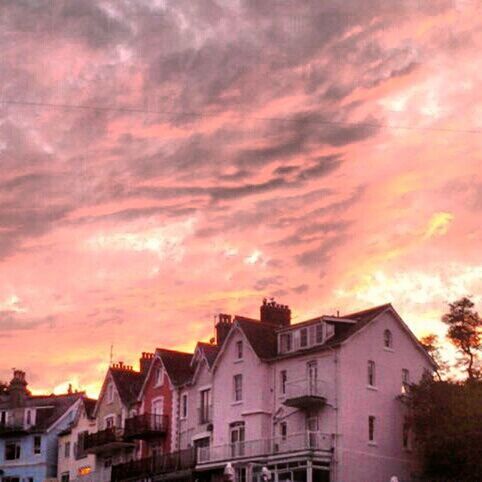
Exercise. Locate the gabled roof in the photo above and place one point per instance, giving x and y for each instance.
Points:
(55, 407)
(261, 336)
(177, 365)
(210, 351)
(128, 384)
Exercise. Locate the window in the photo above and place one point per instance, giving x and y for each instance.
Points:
(237, 439)
(387, 339)
(304, 337)
(37, 444)
(240, 474)
(184, 405)
(205, 406)
(371, 428)
(319, 333)
(110, 393)
(85, 470)
(239, 350)
(67, 450)
(80, 452)
(283, 380)
(12, 450)
(371, 373)
(285, 342)
(65, 477)
(107, 462)
(28, 418)
(238, 387)
(3, 417)
(109, 422)
(283, 429)
(406, 433)
(159, 376)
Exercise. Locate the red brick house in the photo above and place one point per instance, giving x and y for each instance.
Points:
(157, 401)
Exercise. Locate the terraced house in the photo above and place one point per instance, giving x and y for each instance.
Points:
(29, 426)
(316, 401)
(118, 402)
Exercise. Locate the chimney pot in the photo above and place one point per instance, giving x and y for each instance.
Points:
(275, 314)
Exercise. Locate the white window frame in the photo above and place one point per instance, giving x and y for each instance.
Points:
(372, 424)
(239, 389)
(388, 336)
(184, 406)
(159, 372)
(371, 374)
(239, 350)
(155, 401)
(110, 392)
(283, 375)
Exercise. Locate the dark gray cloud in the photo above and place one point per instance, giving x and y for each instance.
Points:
(13, 321)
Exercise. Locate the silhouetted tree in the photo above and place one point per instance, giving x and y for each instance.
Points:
(431, 344)
(465, 332)
(447, 423)
(3, 387)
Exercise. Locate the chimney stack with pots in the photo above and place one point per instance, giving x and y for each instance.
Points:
(222, 328)
(274, 313)
(145, 361)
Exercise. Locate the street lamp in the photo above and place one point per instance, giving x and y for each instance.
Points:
(265, 474)
(229, 472)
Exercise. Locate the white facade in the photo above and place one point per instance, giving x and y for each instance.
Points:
(337, 432)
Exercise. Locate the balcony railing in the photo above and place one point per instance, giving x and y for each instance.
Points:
(302, 441)
(146, 426)
(205, 414)
(306, 393)
(104, 440)
(12, 428)
(160, 464)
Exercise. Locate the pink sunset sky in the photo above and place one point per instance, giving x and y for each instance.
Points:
(162, 162)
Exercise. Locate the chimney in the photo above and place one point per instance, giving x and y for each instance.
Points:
(18, 388)
(145, 362)
(222, 328)
(274, 313)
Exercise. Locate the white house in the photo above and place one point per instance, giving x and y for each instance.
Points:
(315, 401)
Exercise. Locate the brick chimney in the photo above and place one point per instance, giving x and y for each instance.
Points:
(274, 313)
(145, 361)
(18, 388)
(222, 328)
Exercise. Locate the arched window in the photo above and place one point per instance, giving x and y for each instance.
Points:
(387, 339)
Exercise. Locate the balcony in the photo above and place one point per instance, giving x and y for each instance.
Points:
(261, 449)
(12, 429)
(108, 440)
(205, 414)
(146, 426)
(160, 464)
(305, 394)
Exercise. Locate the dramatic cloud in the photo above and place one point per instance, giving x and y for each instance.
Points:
(166, 161)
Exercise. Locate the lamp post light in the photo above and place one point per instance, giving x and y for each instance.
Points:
(265, 474)
(229, 472)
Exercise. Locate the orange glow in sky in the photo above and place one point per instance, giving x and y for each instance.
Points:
(161, 164)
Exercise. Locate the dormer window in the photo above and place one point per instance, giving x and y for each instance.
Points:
(304, 337)
(319, 333)
(285, 342)
(387, 339)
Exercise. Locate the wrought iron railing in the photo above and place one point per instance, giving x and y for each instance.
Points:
(159, 464)
(146, 423)
(316, 441)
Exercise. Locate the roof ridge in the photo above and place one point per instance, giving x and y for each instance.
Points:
(177, 352)
(367, 310)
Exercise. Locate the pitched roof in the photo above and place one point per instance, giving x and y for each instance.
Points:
(89, 405)
(343, 331)
(210, 351)
(177, 365)
(261, 336)
(55, 407)
(128, 383)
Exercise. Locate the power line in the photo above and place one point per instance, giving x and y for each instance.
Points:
(136, 110)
